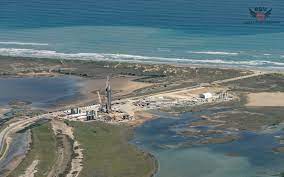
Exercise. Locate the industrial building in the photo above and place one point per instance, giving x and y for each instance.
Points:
(124, 110)
(87, 112)
(102, 111)
(206, 95)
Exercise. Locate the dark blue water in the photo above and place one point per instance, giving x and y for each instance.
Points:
(41, 92)
(180, 31)
(195, 15)
(178, 157)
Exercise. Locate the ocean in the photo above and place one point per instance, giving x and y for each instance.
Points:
(220, 32)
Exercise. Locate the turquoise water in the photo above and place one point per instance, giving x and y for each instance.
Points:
(41, 92)
(253, 152)
(181, 31)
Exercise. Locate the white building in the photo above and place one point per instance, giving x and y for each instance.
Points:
(206, 95)
(80, 110)
(83, 113)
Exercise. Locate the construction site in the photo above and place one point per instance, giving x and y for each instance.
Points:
(123, 110)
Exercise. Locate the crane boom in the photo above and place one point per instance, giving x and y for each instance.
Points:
(99, 96)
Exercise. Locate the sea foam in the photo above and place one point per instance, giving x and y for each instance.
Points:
(22, 43)
(213, 52)
(132, 58)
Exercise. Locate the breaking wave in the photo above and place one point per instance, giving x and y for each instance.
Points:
(213, 52)
(22, 43)
(131, 58)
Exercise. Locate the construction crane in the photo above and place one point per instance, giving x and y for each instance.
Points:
(100, 99)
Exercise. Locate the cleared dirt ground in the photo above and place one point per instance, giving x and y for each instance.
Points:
(266, 99)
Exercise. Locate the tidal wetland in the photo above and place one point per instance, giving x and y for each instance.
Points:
(239, 137)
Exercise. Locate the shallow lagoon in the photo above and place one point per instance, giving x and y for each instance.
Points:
(251, 156)
(41, 91)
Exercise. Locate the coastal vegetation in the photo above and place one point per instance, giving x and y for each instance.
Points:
(272, 82)
(43, 150)
(107, 151)
(161, 76)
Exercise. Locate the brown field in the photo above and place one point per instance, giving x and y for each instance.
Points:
(120, 85)
(266, 99)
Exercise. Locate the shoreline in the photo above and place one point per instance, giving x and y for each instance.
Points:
(139, 148)
(177, 64)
